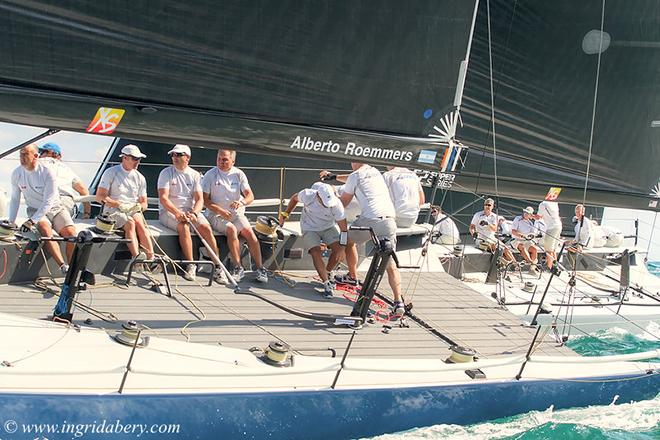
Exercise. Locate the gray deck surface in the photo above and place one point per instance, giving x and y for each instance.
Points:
(241, 321)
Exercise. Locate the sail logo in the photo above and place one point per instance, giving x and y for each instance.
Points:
(553, 194)
(426, 156)
(106, 120)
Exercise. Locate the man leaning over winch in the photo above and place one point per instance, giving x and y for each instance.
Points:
(322, 222)
(44, 208)
(180, 205)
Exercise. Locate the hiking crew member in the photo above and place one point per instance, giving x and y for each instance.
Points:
(226, 194)
(123, 191)
(484, 224)
(524, 231)
(68, 182)
(406, 193)
(322, 222)
(180, 203)
(44, 209)
(368, 186)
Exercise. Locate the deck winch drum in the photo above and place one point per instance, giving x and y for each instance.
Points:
(461, 355)
(277, 352)
(104, 223)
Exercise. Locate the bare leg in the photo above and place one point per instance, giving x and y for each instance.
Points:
(394, 279)
(319, 265)
(185, 240)
(52, 247)
(253, 246)
(524, 253)
(336, 255)
(129, 233)
(144, 236)
(207, 234)
(533, 254)
(352, 259)
(68, 231)
(232, 242)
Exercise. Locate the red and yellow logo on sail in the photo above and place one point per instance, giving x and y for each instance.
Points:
(553, 194)
(106, 120)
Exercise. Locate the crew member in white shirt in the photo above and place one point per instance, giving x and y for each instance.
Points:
(445, 228)
(181, 203)
(44, 209)
(583, 230)
(484, 224)
(322, 221)
(226, 194)
(123, 191)
(368, 186)
(524, 231)
(549, 213)
(68, 182)
(406, 193)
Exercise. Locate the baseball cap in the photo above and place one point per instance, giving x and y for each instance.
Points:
(132, 150)
(489, 202)
(181, 148)
(51, 146)
(529, 210)
(327, 194)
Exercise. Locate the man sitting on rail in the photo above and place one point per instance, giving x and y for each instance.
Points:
(484, 226)
(524, 231)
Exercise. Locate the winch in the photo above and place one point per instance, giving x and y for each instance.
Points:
(7, 228)
(104, 224)
(460, 355)
(266, 228)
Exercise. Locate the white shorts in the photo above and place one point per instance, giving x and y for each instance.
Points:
(313, 239)
(382, 227)
(405, 222)
(526, 244)
(551, 239)
(118, 217)
(219, 224)
(168, 220)
(58, 218)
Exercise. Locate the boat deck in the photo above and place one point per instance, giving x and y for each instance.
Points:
(216, 315)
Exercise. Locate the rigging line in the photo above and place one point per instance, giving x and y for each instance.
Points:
(593, 111)
(492, 108)
(648, 247)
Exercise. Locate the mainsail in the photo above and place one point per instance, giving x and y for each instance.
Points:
(355, 80)
(547, 85)
(365, 81)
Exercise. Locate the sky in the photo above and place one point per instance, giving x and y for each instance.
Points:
(82, 152)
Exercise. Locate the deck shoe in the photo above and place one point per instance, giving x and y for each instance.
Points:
(190, 273)
(328, 289)
(238, 273)
(64, 268)
(399, 309)
(262, 275)
(533, 270)
(346, 279)
(219, 276)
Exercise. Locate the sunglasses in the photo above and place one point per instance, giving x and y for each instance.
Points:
(133, 158)
(488, 205)
(178, 154)
(224, 159)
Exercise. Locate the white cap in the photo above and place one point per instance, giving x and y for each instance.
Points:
(528, 210)
(181, 148)
(132, 150)
(327, 194)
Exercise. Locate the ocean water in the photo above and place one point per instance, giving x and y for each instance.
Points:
(619, 421)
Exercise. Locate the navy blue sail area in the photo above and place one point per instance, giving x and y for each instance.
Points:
(363, 80)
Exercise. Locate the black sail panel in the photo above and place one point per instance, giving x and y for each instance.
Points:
(545, 64)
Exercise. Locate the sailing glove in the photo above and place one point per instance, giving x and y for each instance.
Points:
(27, 226)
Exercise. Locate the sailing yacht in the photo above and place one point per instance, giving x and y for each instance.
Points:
(352, 81)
